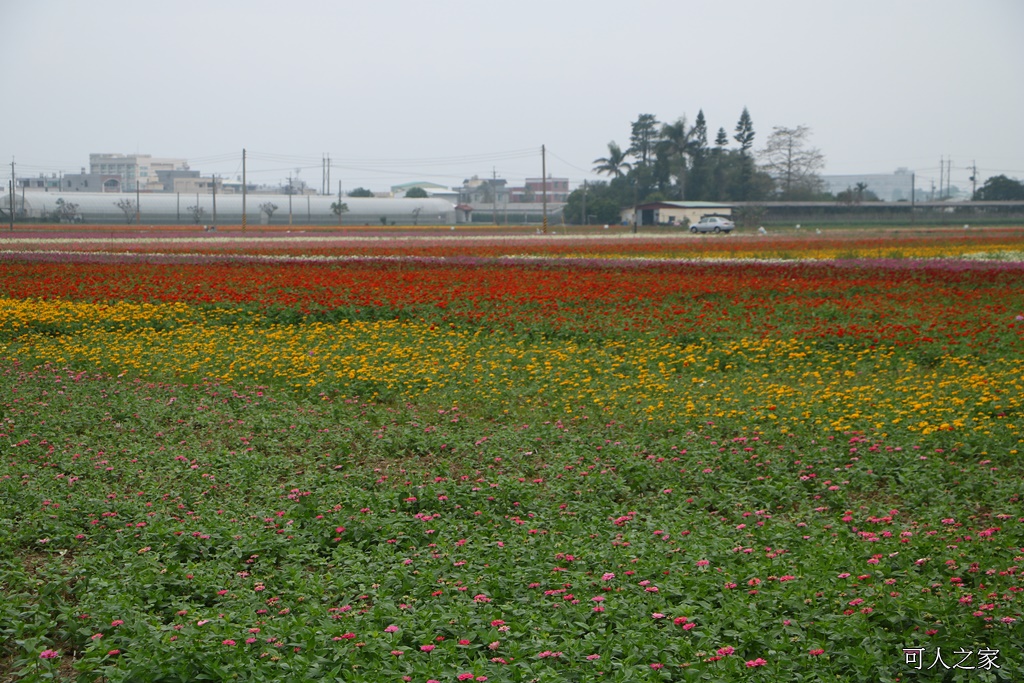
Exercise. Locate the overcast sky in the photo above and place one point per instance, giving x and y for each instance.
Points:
(443, 89)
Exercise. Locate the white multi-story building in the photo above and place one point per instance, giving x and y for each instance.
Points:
(135, 169)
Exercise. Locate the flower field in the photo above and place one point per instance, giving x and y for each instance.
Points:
(512, 459)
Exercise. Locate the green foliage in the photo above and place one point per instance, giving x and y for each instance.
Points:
(613, 165)
(1000, 188)
(643, 138)
(744, 132)
(416, 193)
(160, 530)
(360, 192)
(604, 203)
(673, 161)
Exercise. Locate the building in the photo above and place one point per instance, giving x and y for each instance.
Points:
(42, 183)
(135, 170)
(892, 187)
(165, 208)
(534, 188)
(170, 179)
(433, 190)
(674, 213)
(492, 192)
(197, 185)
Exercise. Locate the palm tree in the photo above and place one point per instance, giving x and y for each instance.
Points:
(676, 143)
(615, 164)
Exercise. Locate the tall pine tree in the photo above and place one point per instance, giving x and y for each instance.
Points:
(698, 185)
(745, 137)
(744, 132)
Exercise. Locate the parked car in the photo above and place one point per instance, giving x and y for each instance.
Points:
(712, 224)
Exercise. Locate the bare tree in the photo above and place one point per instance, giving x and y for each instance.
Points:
(197, 212)
(129, 208)
(66, 211)
(792, 163)
(268, 208)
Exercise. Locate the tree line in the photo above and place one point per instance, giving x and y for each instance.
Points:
(680, 161)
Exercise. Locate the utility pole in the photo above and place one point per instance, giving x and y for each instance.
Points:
(544, 184)
(13, 182)
(494, 195)
(913, 196)
(584, 222)
(942, 170)
(243, 189)
(138, 206)
(215, 199)
(974, 179)
(291, 191)
(949, 172)
(339, 203)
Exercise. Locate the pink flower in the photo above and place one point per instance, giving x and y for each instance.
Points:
(391, 629)
(49, 654)
(817, 652)
(703, 563)
(463, 642)
(657, 665)
(591, 658)
(228, 642)
(495, 645)
(608, 576)
(465, 677)
(756, 662)
(117, 622)
(426, 648)
(725, 651)
(687, 627)
(113, 653)
(397, 653)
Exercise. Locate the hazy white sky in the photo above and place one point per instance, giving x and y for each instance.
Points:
(443, 89)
